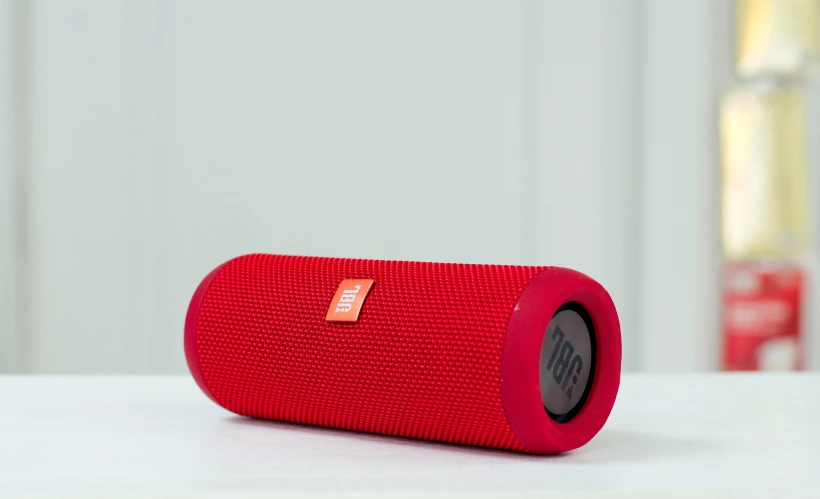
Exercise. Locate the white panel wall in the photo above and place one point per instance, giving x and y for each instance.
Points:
(169, 136)
(370, 129)
(13, 351)
(587, 165)
(679, 244)
(8, 347)
(82, 200)
(811, 317)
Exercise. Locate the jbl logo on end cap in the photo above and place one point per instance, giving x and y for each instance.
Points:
(348, 300)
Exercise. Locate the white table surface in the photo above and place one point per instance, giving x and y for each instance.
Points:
(718, 435)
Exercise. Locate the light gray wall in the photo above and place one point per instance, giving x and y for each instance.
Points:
(167, 137)
(7, 329)
(587, 165)
(679, 248)
(12, 350)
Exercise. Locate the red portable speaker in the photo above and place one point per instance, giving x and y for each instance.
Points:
(511, 357)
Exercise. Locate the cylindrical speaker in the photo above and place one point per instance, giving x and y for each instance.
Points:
(511, 357)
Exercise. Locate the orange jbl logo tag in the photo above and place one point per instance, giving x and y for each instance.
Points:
(348, 300)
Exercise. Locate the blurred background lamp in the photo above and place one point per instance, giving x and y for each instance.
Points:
(776, 36)
(763, 157)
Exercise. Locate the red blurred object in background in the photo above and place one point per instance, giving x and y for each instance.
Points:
(761, 317)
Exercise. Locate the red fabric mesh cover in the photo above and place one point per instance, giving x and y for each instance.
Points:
(423, 360)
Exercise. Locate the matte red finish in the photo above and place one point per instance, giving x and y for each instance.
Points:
(441, 351)
(191, 319)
